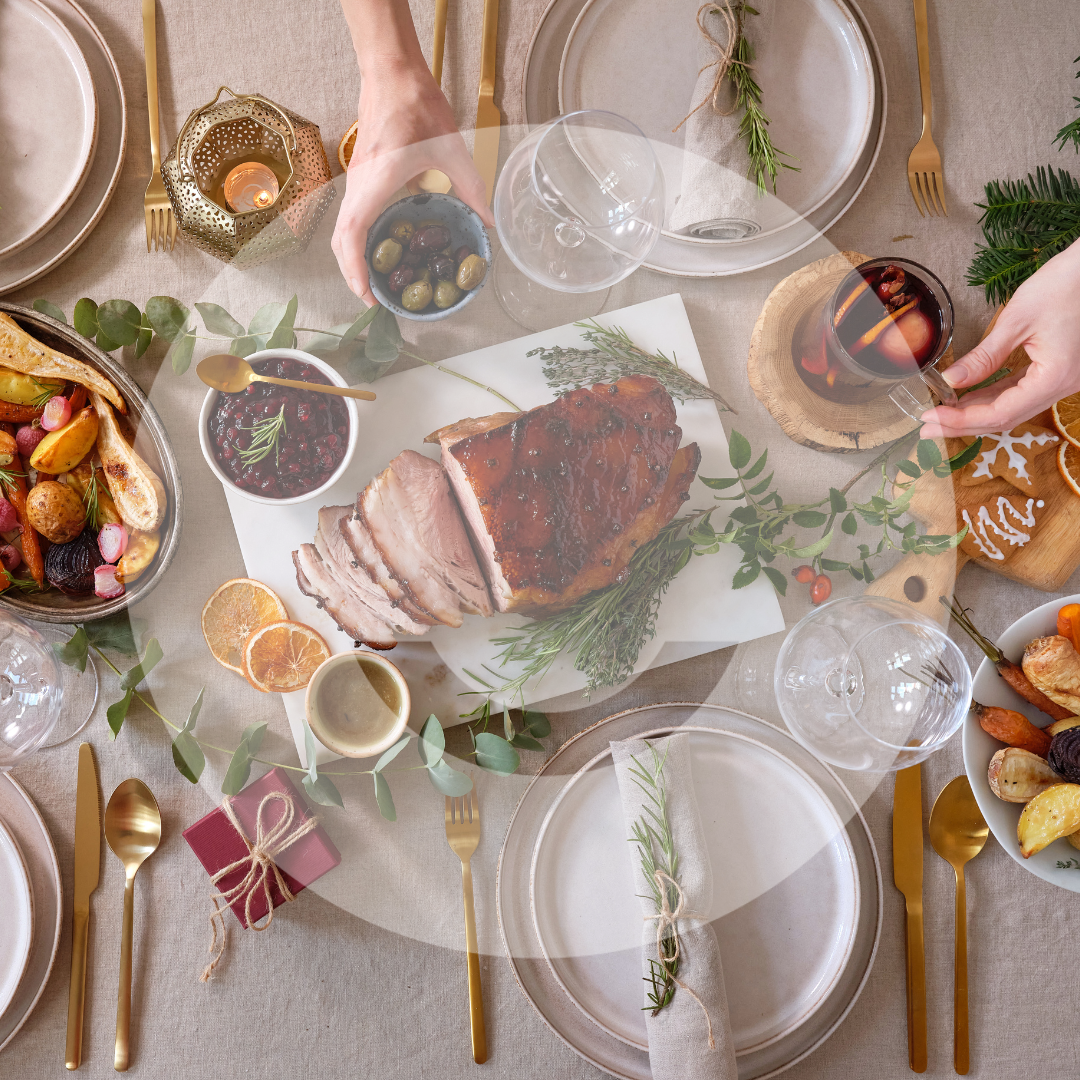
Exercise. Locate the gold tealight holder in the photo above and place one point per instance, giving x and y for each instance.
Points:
(248, 180)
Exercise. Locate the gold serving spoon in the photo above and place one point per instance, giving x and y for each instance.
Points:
(233, 375)
(958, 832)
(133, 829)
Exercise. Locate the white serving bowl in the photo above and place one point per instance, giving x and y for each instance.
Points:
(354, 429)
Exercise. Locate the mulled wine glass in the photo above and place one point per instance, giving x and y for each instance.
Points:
(578, 207)
(31, 690)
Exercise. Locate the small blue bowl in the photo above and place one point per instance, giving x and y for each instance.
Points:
(465, 228)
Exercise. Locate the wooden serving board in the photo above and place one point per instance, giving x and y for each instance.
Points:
(1046, 562)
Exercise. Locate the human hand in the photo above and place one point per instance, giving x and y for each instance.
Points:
(405, 126)
(1044, 317)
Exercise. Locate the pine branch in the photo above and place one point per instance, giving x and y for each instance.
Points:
(1070, 133)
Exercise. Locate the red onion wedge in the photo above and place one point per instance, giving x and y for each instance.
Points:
(57, 413)
(8, 518)
(112, 542)
(105, 584)
(10, 557)
(27, 438)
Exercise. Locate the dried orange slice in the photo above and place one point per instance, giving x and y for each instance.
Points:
(345, 147)
(283, 656)
(1067, 418)
(1068, 461)
(236, 609)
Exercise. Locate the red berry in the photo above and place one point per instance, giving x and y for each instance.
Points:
(821, 590)
(803, 574)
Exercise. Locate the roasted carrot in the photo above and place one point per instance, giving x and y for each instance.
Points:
(77, 399)
(18, 414)
(1012, 728)
(1068, 624)
(1012, 673)
(15, 491)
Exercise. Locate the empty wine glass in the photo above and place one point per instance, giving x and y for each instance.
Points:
(578, 207)
(30, 690)
(871, 683)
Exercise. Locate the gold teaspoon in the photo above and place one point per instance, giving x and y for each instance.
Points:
(958, 832)
(133, 830)
(233, 374)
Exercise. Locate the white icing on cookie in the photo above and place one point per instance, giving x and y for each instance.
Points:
(1002, 440)
(1003, 528)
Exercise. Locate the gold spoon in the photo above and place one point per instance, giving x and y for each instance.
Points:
(133, 829)
(233, 374)
(958, 832)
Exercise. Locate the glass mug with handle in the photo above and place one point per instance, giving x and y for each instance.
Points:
(883, 332)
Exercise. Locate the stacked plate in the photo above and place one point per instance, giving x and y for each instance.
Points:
(797, 905)
(30, 900)
(824, 89)
(62, 134)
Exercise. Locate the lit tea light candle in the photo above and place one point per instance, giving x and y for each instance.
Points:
(250, 186)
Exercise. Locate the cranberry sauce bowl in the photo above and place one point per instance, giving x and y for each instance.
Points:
(273, 444)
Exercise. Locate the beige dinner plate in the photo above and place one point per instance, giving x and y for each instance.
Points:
(16, 917)
(26, 825)
(48, 124)
(51, 248)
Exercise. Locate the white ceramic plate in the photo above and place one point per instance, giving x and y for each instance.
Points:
(821, 197)
(989, 688)
(17, 924)
(26, 825)
(786, 904)
(48, 128)
(52, 248)
(797, 909)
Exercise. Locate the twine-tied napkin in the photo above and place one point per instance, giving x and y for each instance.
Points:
(690, 1038)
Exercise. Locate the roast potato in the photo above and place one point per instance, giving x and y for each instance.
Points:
(1017, 775)
(61, 450)
(1052, 664)
(1074, 840)
(141, 549)
(1062, 725)
(22, 389)
(1052, 814)
(79, 480)
(55, 511)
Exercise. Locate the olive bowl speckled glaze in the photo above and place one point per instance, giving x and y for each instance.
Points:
(465, 228)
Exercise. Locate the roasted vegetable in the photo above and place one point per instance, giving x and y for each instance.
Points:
(20, 352)
(79, 480)
(70, 567)
(17, 414)
(1017, 775)
(1052, 814)
(1053, 666)
(1068, 623)
(1064, 755)
(1012, 673)
(16, 495)
(55, 511)
(61, 450)
(141, 549)
(9, 450)
(1011, 728)
(19, 389)
(138, 493)
(1059, 726)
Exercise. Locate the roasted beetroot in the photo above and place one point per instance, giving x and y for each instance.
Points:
(1064, 754)
(70, 567)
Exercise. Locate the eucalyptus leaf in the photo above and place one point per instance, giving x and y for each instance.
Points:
(130, 679)
(116, 713)
(432, 742)
(283, 336)
(266, 320)
(106, 343)
(449, 781)
(253, 735)
(536, 723)
(384, 798)
(525, 742)
(359, 369)
(73, 652)
(309, 753)
(392, 753)
(327, 342)
(218, 321)
(85, 318)
(46, 307)
(384, 339)
(167, 316)
(495, 754)
(322, 791)
(146, 335)
(181, 353)
(188, 756)
(120, 320)
(236, 776)
(244, 346)
(118, 632)
(362, 323)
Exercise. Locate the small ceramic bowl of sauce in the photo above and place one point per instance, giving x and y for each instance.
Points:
(357, 704)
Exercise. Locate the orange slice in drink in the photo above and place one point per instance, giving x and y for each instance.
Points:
(345, 147)
(1067, 418)
(1068, 460)
(237, 608)
(283, 656)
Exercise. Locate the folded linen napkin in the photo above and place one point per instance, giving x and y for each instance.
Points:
(716, 199)
(679, 1034)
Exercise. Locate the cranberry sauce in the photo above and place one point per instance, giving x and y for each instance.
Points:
(308, 450)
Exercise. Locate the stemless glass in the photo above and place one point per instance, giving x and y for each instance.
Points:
(578, 207)
(870, 683)
(30, 690)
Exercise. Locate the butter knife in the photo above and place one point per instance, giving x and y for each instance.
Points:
(488, 117)
(907, 835)
(87, 871)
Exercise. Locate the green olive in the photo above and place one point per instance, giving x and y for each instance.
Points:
(402, 230)
(416, 297)
(447, 294)
(424, 274)
(471, 272)
(426, 222)
(386, 256)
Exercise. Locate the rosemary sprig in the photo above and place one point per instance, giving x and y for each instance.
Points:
(614, 355)
(44, 394)
(91, 498)
(7, 479)
(22, 584)
(656, 849)
(264, 438)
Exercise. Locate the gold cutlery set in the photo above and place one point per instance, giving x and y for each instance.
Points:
(132, 828)
(957, 833)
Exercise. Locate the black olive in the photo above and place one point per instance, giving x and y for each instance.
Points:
(442, 266)
(463, 253)
(430, 238)
(401, 277)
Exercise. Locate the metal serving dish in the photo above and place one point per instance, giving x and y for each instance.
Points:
(152, 444)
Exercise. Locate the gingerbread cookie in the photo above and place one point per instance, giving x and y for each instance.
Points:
(1009, 455)
(999, 528)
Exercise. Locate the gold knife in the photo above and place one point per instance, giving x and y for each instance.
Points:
(488, 118)
(87, 871)
(907, 835)
(434, 180)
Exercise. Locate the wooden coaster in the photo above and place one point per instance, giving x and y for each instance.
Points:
(806, 417)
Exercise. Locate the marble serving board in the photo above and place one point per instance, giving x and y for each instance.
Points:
(700, 611)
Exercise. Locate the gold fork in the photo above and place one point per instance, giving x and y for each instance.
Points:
(924, 171)
(160, 223)
(463, 834)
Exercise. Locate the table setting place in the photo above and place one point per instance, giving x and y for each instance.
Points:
(594, 471)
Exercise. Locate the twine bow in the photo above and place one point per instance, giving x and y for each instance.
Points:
(259, 862)
(667, 928)
(725, 54)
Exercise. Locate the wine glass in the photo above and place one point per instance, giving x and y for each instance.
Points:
(870, 683)
(31, 690)
(578, 207)
(80, 690)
